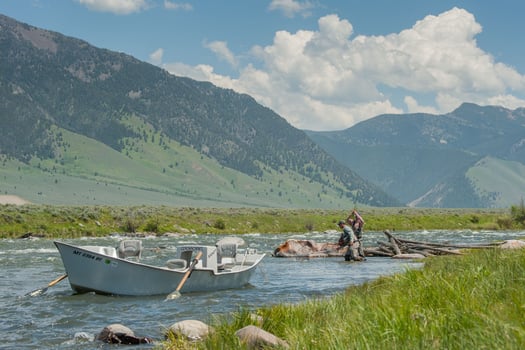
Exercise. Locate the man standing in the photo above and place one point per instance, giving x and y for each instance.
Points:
(348, 239)
(357, 224)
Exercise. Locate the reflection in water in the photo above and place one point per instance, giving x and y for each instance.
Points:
(63, 320)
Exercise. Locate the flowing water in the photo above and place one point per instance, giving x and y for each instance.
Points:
(60, 319)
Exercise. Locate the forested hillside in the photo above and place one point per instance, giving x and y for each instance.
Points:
(51, 83)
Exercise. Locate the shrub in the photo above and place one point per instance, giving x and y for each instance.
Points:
(309, 226)
(504, 223)
(517, 212)
(129, 226)
(219, 224)
(152, 226)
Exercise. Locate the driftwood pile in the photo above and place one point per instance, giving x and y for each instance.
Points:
(394, 247)
(397, 247)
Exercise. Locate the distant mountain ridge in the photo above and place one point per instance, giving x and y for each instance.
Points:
(54, 87)
(431, 160)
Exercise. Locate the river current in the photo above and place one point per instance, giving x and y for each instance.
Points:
(60, 319)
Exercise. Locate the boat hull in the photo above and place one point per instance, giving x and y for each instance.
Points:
(90, 271)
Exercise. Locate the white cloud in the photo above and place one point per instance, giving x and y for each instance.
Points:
(156, 56)
(201, 72)
(119, 7)
(220, 48)
(170, 5)
(291, 7)
(414, 107)
(509, 101)
(331, 79)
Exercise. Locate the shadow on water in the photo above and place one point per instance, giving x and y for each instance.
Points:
(60, 319)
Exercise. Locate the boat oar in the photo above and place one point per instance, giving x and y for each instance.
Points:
(176, 294)
(43, 290)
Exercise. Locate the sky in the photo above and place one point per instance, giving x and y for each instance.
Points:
(320, 64)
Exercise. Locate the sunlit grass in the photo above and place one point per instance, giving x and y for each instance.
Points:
(76, 221)
(475, 301)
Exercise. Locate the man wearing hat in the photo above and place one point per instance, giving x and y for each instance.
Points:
(348, 238)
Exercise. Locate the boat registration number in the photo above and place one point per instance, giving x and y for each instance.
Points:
(87, 255)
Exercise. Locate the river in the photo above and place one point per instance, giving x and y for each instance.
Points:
(60, 319)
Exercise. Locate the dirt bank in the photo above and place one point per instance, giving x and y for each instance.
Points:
(10, 199)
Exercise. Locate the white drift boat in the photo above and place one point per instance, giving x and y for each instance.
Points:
(118, 271)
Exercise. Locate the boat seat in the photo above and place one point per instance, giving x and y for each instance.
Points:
(130, 248)
(226, 254)
(176, 264)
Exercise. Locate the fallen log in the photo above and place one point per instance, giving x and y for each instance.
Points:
(378, 252)
(446, 245)
(431, 248)
(409, 256)
(391, 237)
(394, 246)
(426, 253)
(393, 242)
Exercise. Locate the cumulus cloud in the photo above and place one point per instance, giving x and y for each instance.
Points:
(414, 107)
(156, 56)
(331, 78)
(119, 7)
(220, 48)
(291, 7)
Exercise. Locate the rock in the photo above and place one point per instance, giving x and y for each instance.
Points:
(190, 329)
(31, 235)
(408, 256)
(171, 234)
(255, 337)
(120, 334)
(512, 244)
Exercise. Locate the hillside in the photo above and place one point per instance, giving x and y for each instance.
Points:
(471, 157)
(83, 125)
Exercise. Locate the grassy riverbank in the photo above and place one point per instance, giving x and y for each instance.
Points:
(475, 301)
(62, 221)
(471, 301)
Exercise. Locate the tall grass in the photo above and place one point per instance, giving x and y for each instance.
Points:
(71, 221)
(475, 301)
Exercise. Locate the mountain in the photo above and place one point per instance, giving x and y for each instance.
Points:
(82, 125)
(471, 157)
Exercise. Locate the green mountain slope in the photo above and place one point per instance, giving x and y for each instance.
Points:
(491, 182)
(430, 160)
(501, 181)
(89, 172)
(103, 116)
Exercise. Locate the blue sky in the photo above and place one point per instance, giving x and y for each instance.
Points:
(320, 64)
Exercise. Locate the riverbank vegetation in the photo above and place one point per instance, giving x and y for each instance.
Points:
(65, 221)
(474, 301)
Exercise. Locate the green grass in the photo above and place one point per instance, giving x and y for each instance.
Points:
(475, 301)
(498, 178)
(149, 171)
(77, 221)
